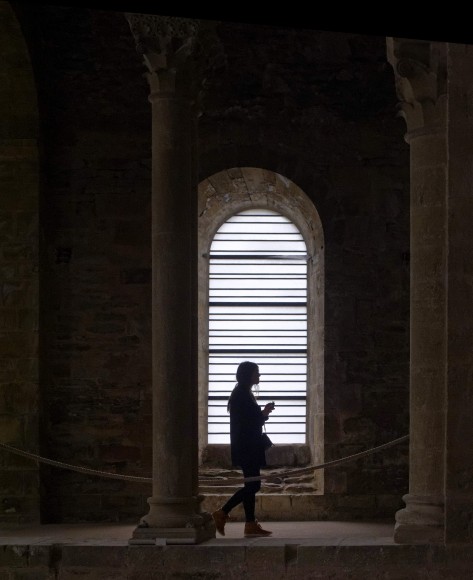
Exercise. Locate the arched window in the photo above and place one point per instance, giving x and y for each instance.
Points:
(228, 332)
(258, 311)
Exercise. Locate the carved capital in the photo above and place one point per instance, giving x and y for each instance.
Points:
(421, 82)
(166, 44)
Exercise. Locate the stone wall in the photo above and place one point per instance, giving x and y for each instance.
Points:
(315, 107)
(19, 182)
(97, 267)
(319, 108)
(459, 464)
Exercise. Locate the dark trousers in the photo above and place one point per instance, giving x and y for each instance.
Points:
(246, 494)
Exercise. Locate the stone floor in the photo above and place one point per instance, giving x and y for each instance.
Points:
(296, 551)
(325, 533)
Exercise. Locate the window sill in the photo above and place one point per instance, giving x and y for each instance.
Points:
(280, 455)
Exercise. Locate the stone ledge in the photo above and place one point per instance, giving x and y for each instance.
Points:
(281, 559)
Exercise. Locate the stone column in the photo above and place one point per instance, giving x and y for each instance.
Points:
(420, 75)
(167, 46)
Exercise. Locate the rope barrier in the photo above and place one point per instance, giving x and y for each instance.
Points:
(223, 480)
(74, 467)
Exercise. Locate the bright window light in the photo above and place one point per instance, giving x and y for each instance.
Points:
(258, 312)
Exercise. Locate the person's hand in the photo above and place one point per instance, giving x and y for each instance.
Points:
(268, 408)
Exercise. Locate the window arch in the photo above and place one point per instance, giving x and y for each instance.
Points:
(228, 193)
(258, 311)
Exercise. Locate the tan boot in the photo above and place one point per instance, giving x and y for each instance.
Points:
(254, 530)
(220, 519)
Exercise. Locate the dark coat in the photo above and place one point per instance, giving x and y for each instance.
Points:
(246, 427)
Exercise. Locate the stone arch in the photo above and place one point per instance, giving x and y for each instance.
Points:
(226, 193)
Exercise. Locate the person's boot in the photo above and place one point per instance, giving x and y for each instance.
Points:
(220, 519)
(254, 530)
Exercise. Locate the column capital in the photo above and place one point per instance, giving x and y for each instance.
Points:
(420, 71)
(167, 44)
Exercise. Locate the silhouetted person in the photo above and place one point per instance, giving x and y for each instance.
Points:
(247, 447)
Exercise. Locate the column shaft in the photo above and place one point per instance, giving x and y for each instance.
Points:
(174, 387)
(422, 519)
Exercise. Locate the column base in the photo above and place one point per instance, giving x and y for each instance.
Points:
(422, 521)
(164, 536)
(174, 521)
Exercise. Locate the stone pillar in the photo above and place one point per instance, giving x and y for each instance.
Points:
(167, 46)
(420, 73)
